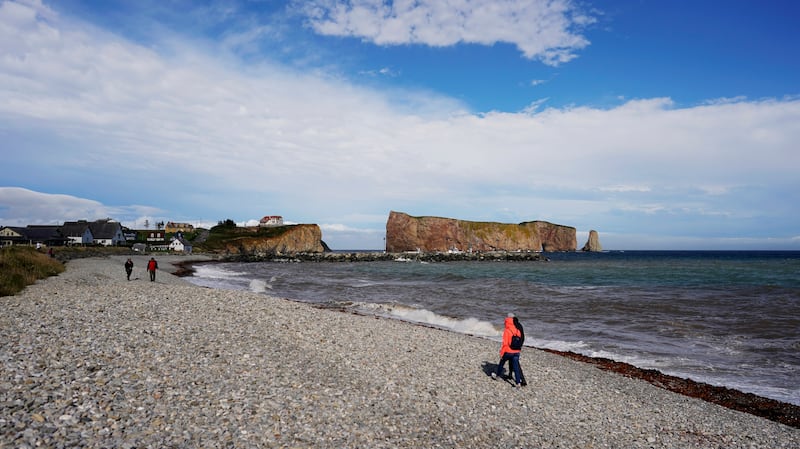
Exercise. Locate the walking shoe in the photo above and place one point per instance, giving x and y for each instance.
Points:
(494, 376)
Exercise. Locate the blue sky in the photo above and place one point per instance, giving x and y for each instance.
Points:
(662, 125)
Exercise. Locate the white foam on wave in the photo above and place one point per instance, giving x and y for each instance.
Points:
(258, 286)
(559, 345)
(471, 326)
(215, 272)
(361, 283)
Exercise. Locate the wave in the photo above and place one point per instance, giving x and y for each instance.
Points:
(578, 347)
(212, 271)
(470, 326)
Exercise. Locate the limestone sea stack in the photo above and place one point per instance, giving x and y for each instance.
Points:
(407, 233)
(593, 244)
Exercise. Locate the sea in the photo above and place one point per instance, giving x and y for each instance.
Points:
(726, 318)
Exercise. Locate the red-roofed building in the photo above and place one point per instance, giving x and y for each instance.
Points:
(271, 220)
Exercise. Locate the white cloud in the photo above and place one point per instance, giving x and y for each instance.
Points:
(202, 137)
(541, 29)
(626, 188)
(385, 71)
(21, 207)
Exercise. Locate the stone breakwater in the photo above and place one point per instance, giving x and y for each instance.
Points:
(376, 256)
(91, 360)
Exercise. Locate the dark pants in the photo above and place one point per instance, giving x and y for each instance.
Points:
(152, 275)
(513, 360)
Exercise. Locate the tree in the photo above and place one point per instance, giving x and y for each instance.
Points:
(228, 223)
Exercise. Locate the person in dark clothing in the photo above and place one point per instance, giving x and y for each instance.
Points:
(129, 267)
(518, 325)
(152, 266)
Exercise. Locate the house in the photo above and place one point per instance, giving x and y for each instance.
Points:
(180, 244)
(130, 234)
(77, 232)
(49, 235)
(152, 236)
(271, 220)
(12, 235)
(173, 227)
(107, 232)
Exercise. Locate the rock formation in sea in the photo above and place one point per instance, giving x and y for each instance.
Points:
(407, 233)
(593, 244)
(261, 242)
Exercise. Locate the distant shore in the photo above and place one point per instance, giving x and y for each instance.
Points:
(93, 360)
(376, 256)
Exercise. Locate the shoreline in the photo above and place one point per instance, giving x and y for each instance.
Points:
(93, 360)
(772, 409)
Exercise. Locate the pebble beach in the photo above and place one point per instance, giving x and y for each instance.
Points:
(89, 359)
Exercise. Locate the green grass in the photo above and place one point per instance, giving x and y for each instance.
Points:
(22, 266)
(221, 236)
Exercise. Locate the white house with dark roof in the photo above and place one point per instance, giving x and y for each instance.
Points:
(107, 232)
(77, 232)
(180, 244)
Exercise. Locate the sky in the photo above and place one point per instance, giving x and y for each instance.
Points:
(661, 125)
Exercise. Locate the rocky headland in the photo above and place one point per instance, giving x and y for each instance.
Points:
(261, 243)
(431, 234)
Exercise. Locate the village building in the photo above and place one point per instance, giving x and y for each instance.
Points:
(130, 234)
(11, 235)
(77, 232)
(179, 244)
(48, 235)
(173, 227)
(152, 236)
(107, 232)
(271, 220)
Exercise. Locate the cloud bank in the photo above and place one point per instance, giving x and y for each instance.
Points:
(202, 136)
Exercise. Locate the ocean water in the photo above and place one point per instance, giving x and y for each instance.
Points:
(729, 318)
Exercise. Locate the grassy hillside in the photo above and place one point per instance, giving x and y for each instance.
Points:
(22, 266)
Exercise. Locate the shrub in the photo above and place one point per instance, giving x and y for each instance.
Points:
(22, 266)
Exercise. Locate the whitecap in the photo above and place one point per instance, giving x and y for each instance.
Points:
(259, 286)
(470, 326)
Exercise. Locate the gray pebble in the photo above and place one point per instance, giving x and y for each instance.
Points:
(89, 359)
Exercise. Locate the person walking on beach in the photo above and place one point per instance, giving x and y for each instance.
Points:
(129, 267)
(152, 266)
(513, 337)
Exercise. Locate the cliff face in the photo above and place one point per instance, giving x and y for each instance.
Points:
(261, 242)
(407, 233)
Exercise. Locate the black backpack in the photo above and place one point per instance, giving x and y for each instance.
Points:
(517, 342)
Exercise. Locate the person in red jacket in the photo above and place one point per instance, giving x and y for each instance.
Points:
(513, 337)
(152, 266)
